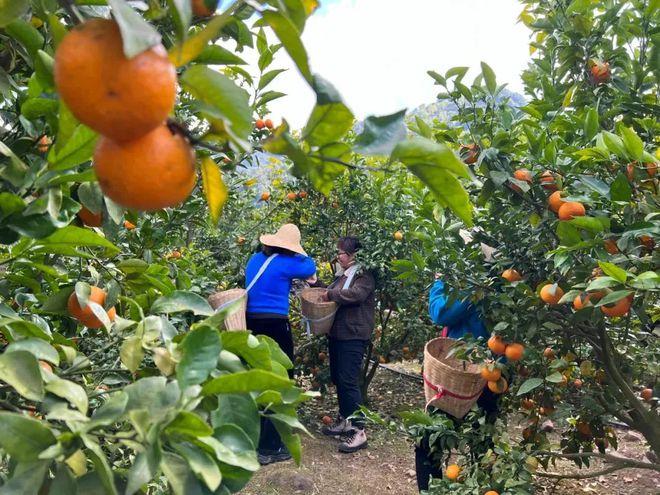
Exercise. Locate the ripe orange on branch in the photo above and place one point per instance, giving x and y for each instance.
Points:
(619, 308)
(551, 294)
(511, 275)
(498, 387)
(452, 472)
(85, 315)
(89, 218)
(490, 373)
(548, 181)
(204, 8)
(496, 344)
(152, 172)
(514, 352)
(118, 97)
(610, 246)
(570, 210)
(523, 174)
(555, 202)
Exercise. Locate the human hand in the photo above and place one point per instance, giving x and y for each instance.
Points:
(312, 279)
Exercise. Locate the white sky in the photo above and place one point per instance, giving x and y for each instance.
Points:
(377, 52)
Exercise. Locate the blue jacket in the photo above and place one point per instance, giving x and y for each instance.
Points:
(270, 294)
(461, 317)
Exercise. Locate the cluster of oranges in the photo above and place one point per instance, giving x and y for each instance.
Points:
(292, 196)
(491, 372)
(263, 124)
(140, 161)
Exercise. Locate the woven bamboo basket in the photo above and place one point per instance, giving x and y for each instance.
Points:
(452, 385)
(317, 315)
(236, 319)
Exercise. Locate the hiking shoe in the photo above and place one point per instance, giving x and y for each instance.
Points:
(340, 427)
(354, 441)
(271, 457)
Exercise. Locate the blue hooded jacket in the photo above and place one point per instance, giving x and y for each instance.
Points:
(461, 317)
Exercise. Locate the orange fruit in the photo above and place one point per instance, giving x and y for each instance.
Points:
(268, 123)
(469, 153)
(491, 492)
(204, 8)
(498, 387)
(259, 124)
(548, 353)
(43, 144)
(555, 201)
(291, 196)
(490, 373)
(265, 196)
(149, 173)
(610, 246)
(129, 225)
(577, 383)
(651, 168)
(570, 210)
(646, 394)
(548, 181)
(551, 294)
(630, 171)
(327, 420)
(600, 72)
(647, 241)
(118, 97)
(302, 194)
(90, 219)
(581, 301)
(175, 254)
(398, 235)
(523, 174)
(619, 308)
(511, 275)
(496, 344)
(45, 366)
(86, 316)
(452, 472)
(514, 352)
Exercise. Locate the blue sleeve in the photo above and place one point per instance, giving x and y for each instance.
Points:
(301, 266)
(440, 313)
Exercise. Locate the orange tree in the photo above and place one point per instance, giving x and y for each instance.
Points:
(115, 373)
(566, 191)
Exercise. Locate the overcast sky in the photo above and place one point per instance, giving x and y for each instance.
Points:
(377, 52)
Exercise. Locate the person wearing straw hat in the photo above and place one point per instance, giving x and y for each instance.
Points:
(268, 275)
(349, 337)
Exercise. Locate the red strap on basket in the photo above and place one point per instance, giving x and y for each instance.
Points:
(445, 332)
(441, 392)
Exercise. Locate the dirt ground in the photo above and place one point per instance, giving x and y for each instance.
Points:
(387, 466)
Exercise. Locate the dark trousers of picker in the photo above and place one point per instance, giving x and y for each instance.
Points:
(346, 358)
(279, 330)
(425, 466)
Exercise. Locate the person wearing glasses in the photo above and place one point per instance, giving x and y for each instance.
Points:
(349, 337)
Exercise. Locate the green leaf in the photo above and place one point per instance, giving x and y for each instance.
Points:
(37, 347)
(255, 352)
(276, 352)
(230, 445)
(555, 377)
(199, 349)
(144, 468)
(24, 438)
(437, 77)
(70, 391)
(20, 369)
(602, 283)
(613, 297)
(16, 170)
(620, 189)
(591, 124)
(131, 353)
(201, 464)
(183, 53)
(215, 189)
(529, 385)
(27, 478)
(95, 453)
(613, 271)
(190, 424)
(614, 144)
(69, 240)
(268, 77)
(136, 33)
(646, 280)
(217, 55)
(568, 97)
(269, 96)
(12, 9)
(179, 301)
(25, 33)
(432, 163)
(592, 224)
(238, 409)
(457, 71)
(289, 35)
(381, 134)
(330, 118)
(489, 77)
(179, 475)
(153, 394)
(181, 11)
(91, 196)
(110, 411)
(568, 234)
(632, 142)
(246, 381)
(226, 100)
(291, 440)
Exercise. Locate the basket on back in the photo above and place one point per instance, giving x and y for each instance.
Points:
(452, 385)
(236, 319)
(317, 315)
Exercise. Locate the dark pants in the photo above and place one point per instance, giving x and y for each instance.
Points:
(425, 464)
(346, 357)
(279, 330)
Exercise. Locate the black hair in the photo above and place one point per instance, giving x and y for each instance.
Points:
(269, 250)
(350, 244)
